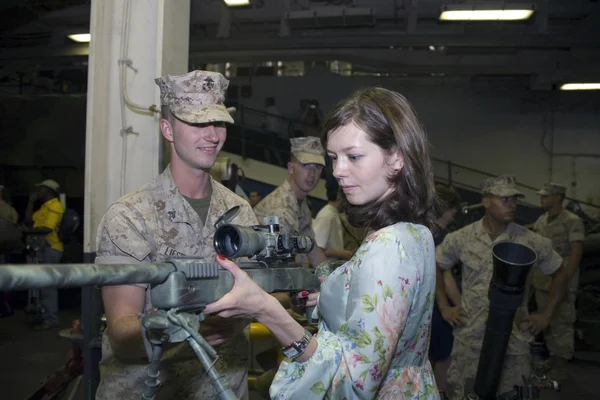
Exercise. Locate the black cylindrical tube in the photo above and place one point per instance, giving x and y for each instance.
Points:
(512, 262)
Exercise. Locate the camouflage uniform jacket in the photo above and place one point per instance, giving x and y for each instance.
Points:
(294, 216)
(472, 246)
(148, 225)
(562, 230)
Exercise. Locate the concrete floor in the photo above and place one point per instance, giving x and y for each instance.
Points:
(27, 358)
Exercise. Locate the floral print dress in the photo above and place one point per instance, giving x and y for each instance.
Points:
(374, 324)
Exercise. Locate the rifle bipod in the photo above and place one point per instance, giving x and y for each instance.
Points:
(160, 327)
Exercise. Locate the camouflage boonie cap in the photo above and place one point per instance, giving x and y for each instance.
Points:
(196, 97)
(552, 188)
(503, 185)
(308, 150)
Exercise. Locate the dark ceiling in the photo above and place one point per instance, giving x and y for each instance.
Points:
(562, 40)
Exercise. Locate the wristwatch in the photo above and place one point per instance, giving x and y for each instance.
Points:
(296, 349)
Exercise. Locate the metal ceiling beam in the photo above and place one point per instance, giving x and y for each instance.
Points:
(348, 40)
(513, 65)
(544, 60)
(383, 40)
(390, 61)
(469, 70)
(529, 60)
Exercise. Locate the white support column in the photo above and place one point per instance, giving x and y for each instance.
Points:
(156, 41)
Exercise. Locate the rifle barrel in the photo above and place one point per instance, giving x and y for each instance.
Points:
(38, 276)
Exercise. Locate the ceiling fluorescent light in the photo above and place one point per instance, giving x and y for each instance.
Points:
(235, 3)
(460, 12)
(580, 86)
(80, 37)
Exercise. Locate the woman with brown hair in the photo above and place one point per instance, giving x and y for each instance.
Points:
(375, 310)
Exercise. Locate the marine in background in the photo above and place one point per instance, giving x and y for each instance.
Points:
(472, 246)
(566, 232)
(288, 201)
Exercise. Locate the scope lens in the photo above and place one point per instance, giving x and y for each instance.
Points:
(227, 241)
(231, 244)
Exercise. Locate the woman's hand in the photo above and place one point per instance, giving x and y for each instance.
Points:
(312, 299)
(245, 300)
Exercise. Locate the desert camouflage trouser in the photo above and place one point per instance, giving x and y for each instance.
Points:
(560, 333)
(463, 368)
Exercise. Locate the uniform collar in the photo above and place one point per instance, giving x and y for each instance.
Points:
(178, 210)
(286, 186)
(557, 217)
(289, 191)
(509, 232)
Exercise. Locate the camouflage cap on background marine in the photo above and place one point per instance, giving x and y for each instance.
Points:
(308, 150)
(503, 185)
(196, 97)
(552, 188)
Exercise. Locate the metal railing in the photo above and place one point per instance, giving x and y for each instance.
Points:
(469, 178)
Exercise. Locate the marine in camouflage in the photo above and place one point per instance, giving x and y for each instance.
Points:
(149, 225)
(294, 215)
(563, 229)
(472, 246)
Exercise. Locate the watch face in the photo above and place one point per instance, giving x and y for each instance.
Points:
(291, 352)
(297, 348)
